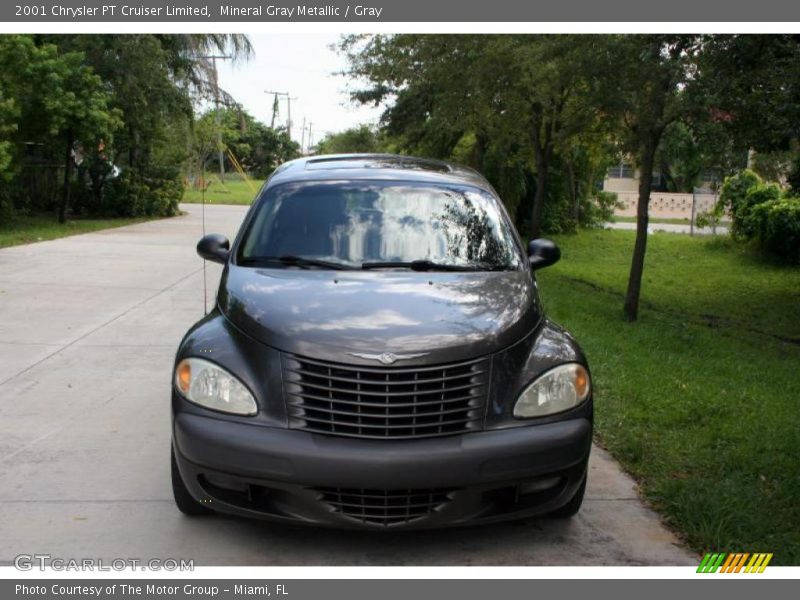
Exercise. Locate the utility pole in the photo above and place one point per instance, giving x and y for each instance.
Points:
(288, 109)
(289, 114)
(275, 104)
(310, 136)
(220, 150)
(303, 137)
(274, 111)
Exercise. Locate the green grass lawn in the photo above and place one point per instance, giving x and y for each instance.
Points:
(234, 191)
(714, 280)
(699, 399)
(655, 220)
(37, 228)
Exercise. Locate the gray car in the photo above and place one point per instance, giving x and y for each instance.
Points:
(378, 357)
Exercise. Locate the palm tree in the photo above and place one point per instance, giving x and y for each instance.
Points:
(191, 63)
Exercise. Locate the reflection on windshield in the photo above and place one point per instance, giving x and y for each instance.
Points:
(373, 221)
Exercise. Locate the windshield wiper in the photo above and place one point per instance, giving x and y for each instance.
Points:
(429, 265)
(297, 261)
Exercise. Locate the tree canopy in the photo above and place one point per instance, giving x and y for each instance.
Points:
(361, 139)
(542, 116)
(257, 148)
(85, 107)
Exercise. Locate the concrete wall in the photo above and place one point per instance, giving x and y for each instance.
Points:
(664, 204)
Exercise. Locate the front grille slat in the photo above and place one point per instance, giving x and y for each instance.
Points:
(377, 371)
(357, 379)
(438, 424)
(384, 507)
(385, 402)
(407, 504)
(358, 415)
(302, 400)
(385, 394)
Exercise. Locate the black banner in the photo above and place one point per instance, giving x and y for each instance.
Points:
(376, 11)
(406, 589)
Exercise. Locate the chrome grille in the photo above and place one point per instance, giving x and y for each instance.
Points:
(385, 402)
(384, 507)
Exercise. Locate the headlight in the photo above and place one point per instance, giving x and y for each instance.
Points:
(209, 385)
(557, 390)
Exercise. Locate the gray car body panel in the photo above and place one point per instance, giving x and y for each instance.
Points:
(439, 317)
(329, 314)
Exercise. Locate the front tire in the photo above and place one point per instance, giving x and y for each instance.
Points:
(571, 508)
(183, 499)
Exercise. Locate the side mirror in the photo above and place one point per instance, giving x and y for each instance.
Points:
(214, 247)
(542, 253)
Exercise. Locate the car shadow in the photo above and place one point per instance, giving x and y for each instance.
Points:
(523, 542)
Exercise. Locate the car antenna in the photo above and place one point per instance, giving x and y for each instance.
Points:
(203, 219)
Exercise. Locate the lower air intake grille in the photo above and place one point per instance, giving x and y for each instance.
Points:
(384, 507)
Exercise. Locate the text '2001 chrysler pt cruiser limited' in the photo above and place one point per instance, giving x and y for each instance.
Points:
(378, 357)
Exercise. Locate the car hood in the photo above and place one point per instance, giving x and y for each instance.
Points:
(327, 315)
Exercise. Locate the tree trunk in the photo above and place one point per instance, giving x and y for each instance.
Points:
(134, 154)
(62, 211)
(542, 160)
(476, 157)
(646, 159)
(573, 191)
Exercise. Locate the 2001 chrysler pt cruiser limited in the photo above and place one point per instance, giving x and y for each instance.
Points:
(378, 357)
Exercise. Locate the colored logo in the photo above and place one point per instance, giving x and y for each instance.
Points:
(734, 562)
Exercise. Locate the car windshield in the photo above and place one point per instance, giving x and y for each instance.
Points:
(366, 224)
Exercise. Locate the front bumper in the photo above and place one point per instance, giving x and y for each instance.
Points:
(296, 476)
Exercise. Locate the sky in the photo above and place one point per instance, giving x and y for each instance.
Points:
(305, 66)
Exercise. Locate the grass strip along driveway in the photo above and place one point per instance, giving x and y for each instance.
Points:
(37, 228)
(233, 191)
(699, 398)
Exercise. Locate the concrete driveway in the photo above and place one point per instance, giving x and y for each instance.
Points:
(88, 329)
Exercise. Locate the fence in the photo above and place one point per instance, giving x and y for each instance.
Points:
(667, 205)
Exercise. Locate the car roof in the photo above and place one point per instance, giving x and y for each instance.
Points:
(387, 167)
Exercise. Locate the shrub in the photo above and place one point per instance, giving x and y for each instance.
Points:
(6, 207)
(133, 195)
(745, 225)
(733, 197)
(735, 187)
(776, 225)
(761, 212)
(709, 218)
(558, 217)
(564, 214)
(597, 211)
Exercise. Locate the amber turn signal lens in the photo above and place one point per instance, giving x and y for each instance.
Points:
(561, 388)
(209, 385)
(184, 376)
(581, 382)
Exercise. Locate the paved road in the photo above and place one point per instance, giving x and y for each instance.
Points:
(669, 228)
(88, 328)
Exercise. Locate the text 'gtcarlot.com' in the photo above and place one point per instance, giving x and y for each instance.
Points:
(28, 562)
